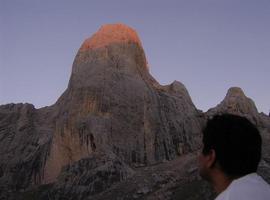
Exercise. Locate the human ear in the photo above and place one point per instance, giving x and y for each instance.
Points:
(211, 158)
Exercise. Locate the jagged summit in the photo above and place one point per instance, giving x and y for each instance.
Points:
(235, 91)
(236, 102)
(111, 33)
(179, 87)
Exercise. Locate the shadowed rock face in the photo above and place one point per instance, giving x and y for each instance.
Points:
(112, 126)
(90, 176)
(25, 142)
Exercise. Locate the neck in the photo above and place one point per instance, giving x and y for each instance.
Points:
(220, 182)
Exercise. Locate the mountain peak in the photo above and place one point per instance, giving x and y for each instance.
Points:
(235, 91)
(111, 33)
(236, 102)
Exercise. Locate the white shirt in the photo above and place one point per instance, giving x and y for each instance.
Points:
(249, 187)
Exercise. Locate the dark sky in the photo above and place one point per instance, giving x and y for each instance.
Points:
(208, 45)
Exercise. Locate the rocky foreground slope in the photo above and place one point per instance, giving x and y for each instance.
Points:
(115, 133)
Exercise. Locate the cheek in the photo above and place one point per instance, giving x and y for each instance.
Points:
(202, 166)
(200, 161)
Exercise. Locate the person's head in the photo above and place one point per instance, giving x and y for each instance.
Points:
(231, 145)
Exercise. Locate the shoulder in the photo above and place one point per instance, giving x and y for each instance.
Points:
(223, 195)
(249, 187)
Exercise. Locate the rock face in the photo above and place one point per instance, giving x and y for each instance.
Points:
(113, 104)
(115, 133)
(90, 176)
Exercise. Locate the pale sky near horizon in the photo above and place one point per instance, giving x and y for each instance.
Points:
(208, 45)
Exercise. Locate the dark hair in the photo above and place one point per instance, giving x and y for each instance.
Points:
(236, 141)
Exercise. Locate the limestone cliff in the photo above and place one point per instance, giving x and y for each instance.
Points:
(111, 105)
